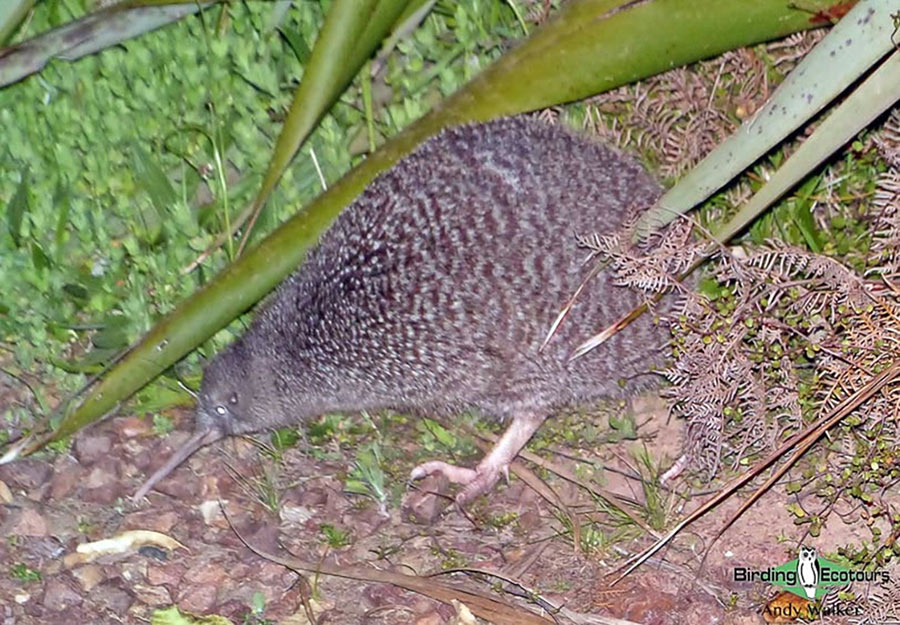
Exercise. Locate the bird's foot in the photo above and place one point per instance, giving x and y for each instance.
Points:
(475, 482)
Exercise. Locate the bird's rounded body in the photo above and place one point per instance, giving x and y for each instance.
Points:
(434, 290)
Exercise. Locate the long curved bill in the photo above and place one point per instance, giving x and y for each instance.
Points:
(195, 442)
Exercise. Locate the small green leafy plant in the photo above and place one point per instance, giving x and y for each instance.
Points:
(334, 537)
(24, 573)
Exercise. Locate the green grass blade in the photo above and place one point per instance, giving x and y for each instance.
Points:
(856, 43)
(352, 31)
(12, 12)
(595, 40)
(16, 210)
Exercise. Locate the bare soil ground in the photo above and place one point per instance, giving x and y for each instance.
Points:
(51, 505)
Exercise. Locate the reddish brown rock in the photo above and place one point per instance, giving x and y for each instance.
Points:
(131, 427)
(205, 573)
(25, 474)
(181, 485)
(380, 595)
(165, 574)
(67, 475)
(102, 496)
(89, 448)
(432, 618)
(199, 599)
(88, 576)
(152, 595)
(270, 573)
(313, 497)
(28, 523)
(426, 504)
(264, 537)
(111, 596)
(59, 596)
(161, 521)
(235, 610)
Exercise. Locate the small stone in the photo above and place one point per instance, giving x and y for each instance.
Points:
(270, 573)
(205, 573)
(381, 595)
(155, 520)
(313, 497)
(88, 576)
(5, 494)
(432, 618)
(212, 515)
(425, 505)
(198, 599)
(46, 548)
(111, 596)
(58, 596)
(65, 478)
(104, 496)
(235, 610)
(29, 523)
(181, 485)
(295, 515)
(25, 474)
(241, 571)
(132, 570)
(131, 427)
(152, 595)
(99, 477)
(164, 574)
(90, 448)
(265, 537)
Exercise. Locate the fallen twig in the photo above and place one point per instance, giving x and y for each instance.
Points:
(802, 440)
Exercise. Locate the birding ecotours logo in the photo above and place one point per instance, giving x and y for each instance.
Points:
(805, 581)
(809, 575)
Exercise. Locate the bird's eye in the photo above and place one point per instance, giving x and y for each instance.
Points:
(233, 399)
(220, 410)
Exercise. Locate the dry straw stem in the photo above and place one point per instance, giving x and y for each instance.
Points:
(482, 605)
(801, 441)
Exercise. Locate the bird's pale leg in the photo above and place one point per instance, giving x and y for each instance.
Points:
(488, 471)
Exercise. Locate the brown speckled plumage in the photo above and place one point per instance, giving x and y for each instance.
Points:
(433, 291)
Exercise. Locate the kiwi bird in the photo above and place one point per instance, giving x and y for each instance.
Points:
(433, 291)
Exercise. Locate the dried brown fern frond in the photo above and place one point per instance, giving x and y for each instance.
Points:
(681, 115)
(885, 252)
(875, 603)
(784, 319)
(887, 139)
(654, 267)
(789, 51)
